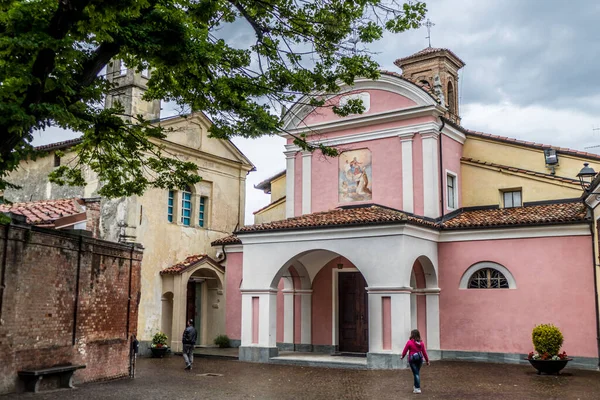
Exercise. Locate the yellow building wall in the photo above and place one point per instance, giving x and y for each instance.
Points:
(523, 157)
(482, 186)
(273, 213)
(278, 188)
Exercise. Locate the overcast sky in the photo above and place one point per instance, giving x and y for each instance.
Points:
(532, 73)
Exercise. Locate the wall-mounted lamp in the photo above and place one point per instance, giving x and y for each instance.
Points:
(586, 176)
(340, 264)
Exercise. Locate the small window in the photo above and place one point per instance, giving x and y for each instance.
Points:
(186, 206)
(488, 278)
(56, 160)
(202, 211)
(123, 68)
(171, 199)
(451, 190)
(512, 199)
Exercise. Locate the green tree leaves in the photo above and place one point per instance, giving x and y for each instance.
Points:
(52, 53)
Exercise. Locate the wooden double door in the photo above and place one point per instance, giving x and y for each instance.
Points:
(353, 313)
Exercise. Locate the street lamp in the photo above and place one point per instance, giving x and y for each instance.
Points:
(586, 176)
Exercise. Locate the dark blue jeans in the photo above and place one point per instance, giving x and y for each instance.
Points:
(416, 368)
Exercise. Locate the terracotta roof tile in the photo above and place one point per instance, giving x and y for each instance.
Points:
(190, 261)
(231, 239)
(539, 214)
(567, 211)
(340, 217)
(44, 212)
(522, 171)
(59, 145)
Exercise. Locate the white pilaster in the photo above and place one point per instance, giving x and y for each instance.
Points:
(290, 157)
(305, 315)
(267, 328)
(433, 321)
(306, 182)
(400, 323)
(288, 315)
(407, 173)
(246, 338)
(267, 314)
(431, 191)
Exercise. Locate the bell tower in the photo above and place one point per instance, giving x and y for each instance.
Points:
(437, 71)
(129, 89)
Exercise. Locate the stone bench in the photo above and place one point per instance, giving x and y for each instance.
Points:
(32, 378)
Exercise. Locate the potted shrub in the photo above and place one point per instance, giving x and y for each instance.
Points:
(222, 341)
(159, 345)
(547, 341)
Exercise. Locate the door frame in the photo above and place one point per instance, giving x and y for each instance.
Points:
(335, 331)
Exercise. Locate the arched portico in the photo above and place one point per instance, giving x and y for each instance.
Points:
(196, 285)
(384, 261)
(425, 314)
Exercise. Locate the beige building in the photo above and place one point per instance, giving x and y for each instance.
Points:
(172, 225)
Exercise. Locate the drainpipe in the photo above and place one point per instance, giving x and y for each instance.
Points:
(129, 290)
(441, 170)
(595, 281)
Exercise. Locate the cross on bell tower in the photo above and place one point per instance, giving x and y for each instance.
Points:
(428, 24)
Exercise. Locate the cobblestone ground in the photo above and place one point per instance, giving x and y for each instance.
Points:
(166, 379)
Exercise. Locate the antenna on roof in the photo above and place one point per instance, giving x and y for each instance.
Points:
(428, 24)
(594, 130)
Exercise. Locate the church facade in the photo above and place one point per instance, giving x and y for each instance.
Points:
(419, 223)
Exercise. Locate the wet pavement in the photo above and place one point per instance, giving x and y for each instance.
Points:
(166, 379)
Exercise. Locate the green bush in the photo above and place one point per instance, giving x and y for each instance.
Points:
(222, 341)
(547, 338)
(159, 340)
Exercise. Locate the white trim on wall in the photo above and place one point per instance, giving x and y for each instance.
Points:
(406, 141)
(290, 157)
(464, 280)
(431, 192)
(306, 181)
(455, 176)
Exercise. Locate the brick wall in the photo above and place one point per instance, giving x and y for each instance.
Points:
(67, 298)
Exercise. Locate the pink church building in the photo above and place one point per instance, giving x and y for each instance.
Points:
(472, 238)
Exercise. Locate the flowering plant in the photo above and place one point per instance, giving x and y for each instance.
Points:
(534, 355)
(547, 340)
(159, 340)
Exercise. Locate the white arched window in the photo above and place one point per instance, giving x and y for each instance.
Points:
(487, 275)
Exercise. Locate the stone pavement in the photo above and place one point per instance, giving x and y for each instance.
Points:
(166, 379)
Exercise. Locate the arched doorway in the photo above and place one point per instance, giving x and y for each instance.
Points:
(202, 295)
(424, 301)
(167, 315)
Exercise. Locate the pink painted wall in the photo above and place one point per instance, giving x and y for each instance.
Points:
(386, 318)
(386, 166)
(421, 301)
(233, 296)
(255, 319)
(321, 305)
(297, 306)
(451, 155)
(555, 284)
(418, 202)
(380, 101)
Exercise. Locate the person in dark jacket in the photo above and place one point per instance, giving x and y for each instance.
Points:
(189, 340)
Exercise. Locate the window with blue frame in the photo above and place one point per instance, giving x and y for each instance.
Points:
(186, 206)
(201, 213)
(170, 202)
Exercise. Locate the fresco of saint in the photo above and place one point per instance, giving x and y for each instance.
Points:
(354, 182)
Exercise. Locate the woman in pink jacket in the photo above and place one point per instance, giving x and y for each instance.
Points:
(416, 354)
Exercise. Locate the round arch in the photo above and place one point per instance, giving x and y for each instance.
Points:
(464, 280)
(387, 82)
(431, 279)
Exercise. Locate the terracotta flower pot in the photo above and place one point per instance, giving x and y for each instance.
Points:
(549, 366)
